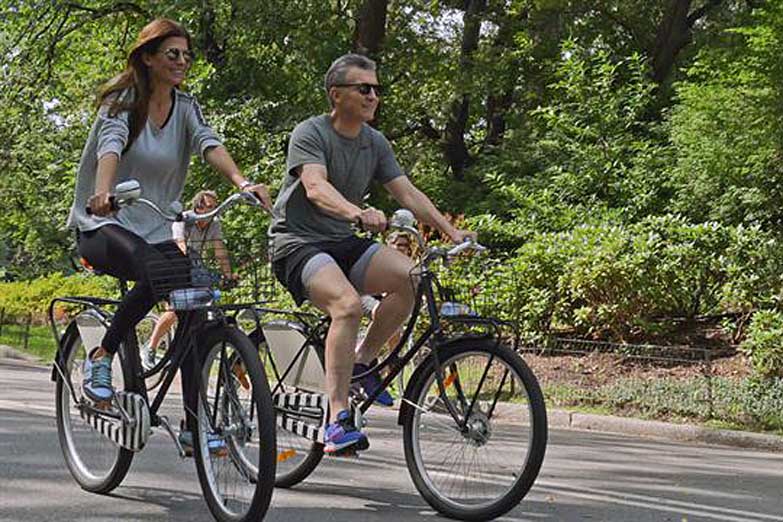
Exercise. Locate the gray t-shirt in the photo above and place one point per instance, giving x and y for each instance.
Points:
(351, 164)
(158, 159)
(197, 237)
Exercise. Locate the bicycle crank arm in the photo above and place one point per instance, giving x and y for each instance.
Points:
(164, 421)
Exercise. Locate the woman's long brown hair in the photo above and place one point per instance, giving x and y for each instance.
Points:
(136, 78)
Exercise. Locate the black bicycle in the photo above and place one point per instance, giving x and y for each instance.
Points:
(233, 422)
(473, 415)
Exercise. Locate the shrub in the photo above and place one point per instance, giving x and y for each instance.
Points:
(21, 298)
(764, 343)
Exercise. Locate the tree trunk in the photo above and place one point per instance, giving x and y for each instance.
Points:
(674, 33)
(497, 107)
(454, 147)
(370, 28)
(214, 52)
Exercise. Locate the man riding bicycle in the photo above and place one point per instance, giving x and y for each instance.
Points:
(331, 161)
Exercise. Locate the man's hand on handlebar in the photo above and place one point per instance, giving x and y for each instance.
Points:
(372, 220)
(101, 204)
(260, 191)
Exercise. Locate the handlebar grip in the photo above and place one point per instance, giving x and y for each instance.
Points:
(112, 201)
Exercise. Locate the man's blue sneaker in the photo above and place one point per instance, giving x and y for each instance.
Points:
(97, 378)
(342, 435)
(217, 446)
(372, 382)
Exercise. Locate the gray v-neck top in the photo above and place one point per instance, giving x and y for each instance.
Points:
(158, 159)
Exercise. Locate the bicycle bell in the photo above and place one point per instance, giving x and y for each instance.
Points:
(403, 218)
(127, 191)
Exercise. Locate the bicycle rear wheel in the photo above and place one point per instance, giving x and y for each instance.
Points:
(484, 469)
(297, 456)
(235, 407)
(96, 463)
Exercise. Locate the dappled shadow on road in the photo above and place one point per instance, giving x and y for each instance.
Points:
(177, 505)
(366, 503)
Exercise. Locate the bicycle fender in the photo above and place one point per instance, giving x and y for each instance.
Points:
(59, 356)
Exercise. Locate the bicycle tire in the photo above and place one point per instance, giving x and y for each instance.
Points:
(235, 395)
(491, 418)
(297, 457)
(73, 432)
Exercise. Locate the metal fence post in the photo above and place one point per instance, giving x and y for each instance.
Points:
(708, 371)
(27, 331)
(2, 319)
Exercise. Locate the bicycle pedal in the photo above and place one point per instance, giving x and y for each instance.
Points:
(131, 431)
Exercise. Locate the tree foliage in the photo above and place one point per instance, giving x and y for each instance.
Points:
(626, 151)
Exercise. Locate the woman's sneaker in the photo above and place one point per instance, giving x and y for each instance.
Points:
(97, 378)
(372, 382)
(342, 436)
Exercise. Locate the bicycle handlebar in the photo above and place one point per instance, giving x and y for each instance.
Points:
(129, 193)
(403, 221)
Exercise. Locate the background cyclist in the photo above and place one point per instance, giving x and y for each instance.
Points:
(201, 237)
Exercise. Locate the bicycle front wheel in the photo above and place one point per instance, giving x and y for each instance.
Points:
(481, 465)
(96, 463)
(235, 436)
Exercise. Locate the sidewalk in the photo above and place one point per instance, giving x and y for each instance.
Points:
(6, 352)
(565, 419)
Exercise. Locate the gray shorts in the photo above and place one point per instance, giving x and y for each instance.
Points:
(352, 255)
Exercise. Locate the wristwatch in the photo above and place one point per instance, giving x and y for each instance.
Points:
(245, 184)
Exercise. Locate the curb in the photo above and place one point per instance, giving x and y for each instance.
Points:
(663, 430)
(6, 352)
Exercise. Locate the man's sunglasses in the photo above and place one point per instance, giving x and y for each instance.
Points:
(363, 88)
(173, 54)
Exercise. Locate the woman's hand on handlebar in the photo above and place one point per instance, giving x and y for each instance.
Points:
(101, 204)
(260, 191)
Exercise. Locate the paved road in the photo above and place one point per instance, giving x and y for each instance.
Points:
(586, 476)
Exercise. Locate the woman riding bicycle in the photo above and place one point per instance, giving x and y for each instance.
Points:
(146, 129)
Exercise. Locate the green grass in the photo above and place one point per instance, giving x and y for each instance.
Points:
(40, 344)
(737, 405)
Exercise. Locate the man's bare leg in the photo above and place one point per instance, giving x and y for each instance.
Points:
(331, 291)
(388, 272)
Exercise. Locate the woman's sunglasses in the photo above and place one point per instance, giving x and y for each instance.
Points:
(364, 88)
(173, 54)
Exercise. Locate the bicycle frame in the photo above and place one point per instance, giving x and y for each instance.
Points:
(425, 296)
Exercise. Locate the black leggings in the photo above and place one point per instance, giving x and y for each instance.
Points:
(125, 255)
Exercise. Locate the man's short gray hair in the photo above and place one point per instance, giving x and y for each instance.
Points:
(339, 68)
